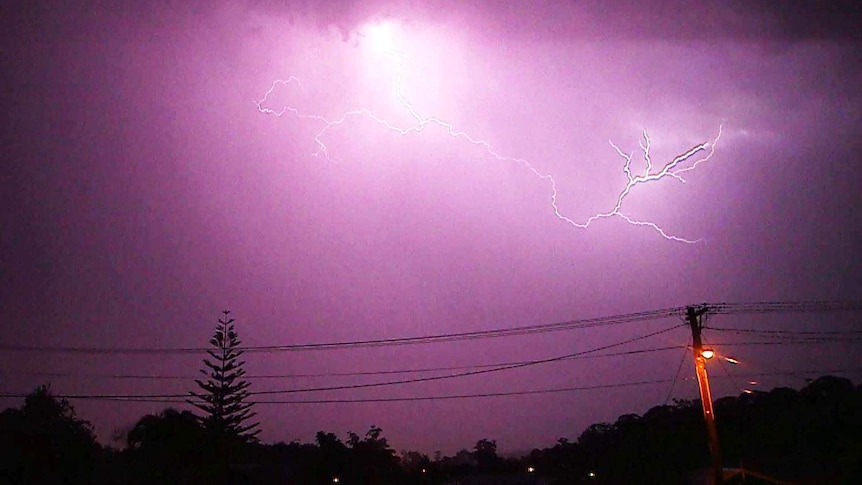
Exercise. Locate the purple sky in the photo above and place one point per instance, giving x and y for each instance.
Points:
(144, 192)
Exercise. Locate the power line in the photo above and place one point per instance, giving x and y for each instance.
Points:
(799, 375)
(784, 307)
(714, 308)
(342, 374)
(727, 308)
(465, 396)
(800, 333)
(797, 372)
(447, 337)
(480, 371)
(485, 368)
(430, 398)
(430, 369)
(383, 399)
(676, 376)
(420, 370)
(787, 342)
(396, 382)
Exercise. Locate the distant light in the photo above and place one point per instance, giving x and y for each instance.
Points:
(335, 480)
(753, 383)
(423, 470)
(731, 360)
(707, 353)
(592, 474)
(530, 469)
(748, 391)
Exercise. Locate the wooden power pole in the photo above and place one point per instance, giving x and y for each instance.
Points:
(693, 315)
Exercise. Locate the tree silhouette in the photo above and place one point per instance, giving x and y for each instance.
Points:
(45, 442)
(224, 394)
(168, 447)
(486, 454)
(374, 461)
(779, 436)
(177, 434)
(333, 457)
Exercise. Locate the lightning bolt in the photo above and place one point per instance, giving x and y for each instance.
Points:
(684, 162)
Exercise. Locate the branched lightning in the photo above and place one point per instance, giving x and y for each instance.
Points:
(682, 163)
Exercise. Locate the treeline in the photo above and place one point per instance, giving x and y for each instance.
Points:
(814, 434)
(809, 436)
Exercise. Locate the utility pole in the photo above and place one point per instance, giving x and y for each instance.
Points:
(693, 315)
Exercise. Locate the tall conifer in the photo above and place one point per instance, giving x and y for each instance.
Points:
(223, 396)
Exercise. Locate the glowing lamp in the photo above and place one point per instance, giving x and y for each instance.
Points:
(335, 480)
(731, 360)
(530, 469)
(707, 353)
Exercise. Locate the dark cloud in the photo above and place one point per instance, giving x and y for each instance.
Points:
(795, 20)
(802, 20)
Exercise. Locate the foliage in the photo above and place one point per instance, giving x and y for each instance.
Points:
(486, 454)
(167, 447)
(786, 434)
(45, 442)
(224, 395)
(803, 436)
(373, 461)
(415, 463)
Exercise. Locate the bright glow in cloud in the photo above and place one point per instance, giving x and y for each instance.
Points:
(381, 37)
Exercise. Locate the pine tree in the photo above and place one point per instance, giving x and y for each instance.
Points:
(223, 396)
